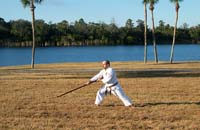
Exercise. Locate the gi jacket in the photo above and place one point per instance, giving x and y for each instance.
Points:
(107, 76)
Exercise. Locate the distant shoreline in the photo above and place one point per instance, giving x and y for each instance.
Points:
(81, 44)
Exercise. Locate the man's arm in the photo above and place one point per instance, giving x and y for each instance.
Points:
(90, 81)
(96, 78)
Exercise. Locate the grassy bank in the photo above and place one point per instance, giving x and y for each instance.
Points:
(166, 96)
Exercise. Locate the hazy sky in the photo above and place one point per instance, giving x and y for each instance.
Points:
(102, 11)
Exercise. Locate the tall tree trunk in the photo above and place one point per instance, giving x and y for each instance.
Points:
(145, 32)
(33, 33)
(154, 38)
(174, 35)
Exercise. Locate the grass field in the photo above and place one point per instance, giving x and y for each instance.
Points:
(166, 96)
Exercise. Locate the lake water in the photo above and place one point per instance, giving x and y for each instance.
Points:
(22, 56)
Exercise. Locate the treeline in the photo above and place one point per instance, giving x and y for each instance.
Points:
(18, 33)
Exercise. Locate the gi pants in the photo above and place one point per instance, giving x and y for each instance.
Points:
(115, 90)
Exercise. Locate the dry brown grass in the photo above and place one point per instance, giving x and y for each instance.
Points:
(166, 96)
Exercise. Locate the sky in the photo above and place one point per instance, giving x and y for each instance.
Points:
(105, 11)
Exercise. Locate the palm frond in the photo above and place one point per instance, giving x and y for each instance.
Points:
(145, 1)
(25, 3)
(174, 1)
(153, 1)
(39, 1)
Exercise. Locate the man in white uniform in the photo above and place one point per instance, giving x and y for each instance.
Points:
(108, 76)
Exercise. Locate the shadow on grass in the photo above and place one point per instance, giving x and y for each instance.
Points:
(74, 74)
(157, 73)
(166, 103)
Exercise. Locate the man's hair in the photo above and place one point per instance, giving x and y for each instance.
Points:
(107, 61)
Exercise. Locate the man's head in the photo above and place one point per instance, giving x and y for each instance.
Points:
(106, 64)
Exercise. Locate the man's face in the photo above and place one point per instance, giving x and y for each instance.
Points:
(105, 65)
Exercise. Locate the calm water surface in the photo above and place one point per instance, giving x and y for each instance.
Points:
(22, 56)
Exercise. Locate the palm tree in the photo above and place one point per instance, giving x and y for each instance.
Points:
(152, 2)
(175, 26)
(30, 3)
(145, 30)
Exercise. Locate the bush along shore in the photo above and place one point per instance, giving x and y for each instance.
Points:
(18, 33)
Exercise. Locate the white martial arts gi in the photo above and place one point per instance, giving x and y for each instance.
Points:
(109, 78)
